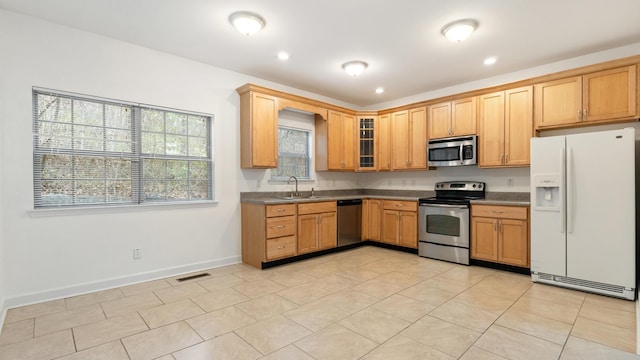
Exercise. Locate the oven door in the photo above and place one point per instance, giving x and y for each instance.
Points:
(444, 224)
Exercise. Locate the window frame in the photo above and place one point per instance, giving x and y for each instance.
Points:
(309, 176)
(136, 157)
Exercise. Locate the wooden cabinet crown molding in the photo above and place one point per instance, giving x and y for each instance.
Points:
(632, 60)
(294, 101)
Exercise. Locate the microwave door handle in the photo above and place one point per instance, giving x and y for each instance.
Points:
(461, 159)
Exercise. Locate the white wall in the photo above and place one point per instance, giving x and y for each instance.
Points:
(48, 257)
(496, 179)
(3, 271)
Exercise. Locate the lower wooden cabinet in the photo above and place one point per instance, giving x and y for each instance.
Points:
(399, 223)
(274, 232)
(281, 247)
(371, 216)
(500, 234)
(317, 226)
(268, 232)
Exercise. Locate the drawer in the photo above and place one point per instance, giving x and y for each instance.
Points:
(400, 205)
(317, 207)
(281, 247)
(281, 226)
(281, 210)
(501, 212)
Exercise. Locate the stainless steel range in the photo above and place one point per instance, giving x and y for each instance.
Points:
(444, 224)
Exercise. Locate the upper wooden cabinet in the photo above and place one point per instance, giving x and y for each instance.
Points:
(367, 143)
(335, 142)
(505, 128)
(383, 149)
(453, 118)
(258, 130)
(602, 96)
(409, 139)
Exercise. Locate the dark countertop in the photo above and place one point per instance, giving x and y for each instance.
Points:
(500, 202)
(492, 198)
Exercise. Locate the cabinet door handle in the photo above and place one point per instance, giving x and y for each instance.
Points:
(495, 226)
(579, 115)
(584, 114)
(501, 158)
(506, 159)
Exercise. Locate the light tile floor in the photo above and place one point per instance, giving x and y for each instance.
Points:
(367, 303)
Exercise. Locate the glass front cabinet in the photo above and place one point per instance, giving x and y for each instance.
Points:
(367, 143)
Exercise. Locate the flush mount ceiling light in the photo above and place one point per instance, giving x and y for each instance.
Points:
(459, 30)
(246, 22)
(355, 68)
(379, 90)
(283, 55)
(490, 60)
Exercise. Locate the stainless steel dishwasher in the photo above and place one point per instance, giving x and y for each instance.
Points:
(349, 221)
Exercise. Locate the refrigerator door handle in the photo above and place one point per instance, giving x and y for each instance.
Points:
(570, 190)
(562, 187)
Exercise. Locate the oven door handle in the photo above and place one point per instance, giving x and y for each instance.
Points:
(446, 206)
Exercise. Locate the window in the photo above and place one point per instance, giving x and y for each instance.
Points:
(294, 157)
(90, 151)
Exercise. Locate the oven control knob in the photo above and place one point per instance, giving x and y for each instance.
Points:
(474, 185)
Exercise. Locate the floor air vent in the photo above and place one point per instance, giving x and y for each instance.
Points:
(585, 285)
(191, 277)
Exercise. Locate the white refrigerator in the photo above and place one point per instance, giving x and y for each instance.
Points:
(583, 211)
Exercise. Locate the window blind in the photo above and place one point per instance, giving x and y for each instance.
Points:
(92, 151)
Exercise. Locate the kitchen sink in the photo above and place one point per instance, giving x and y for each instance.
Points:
(304, 197)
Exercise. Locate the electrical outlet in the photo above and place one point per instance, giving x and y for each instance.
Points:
(137, 254)
(510, 182)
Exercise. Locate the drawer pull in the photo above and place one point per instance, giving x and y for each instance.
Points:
(400, 205)
(497, 211)
(281, 226)
(280, 210)
(282, 246)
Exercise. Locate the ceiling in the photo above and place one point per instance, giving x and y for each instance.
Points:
(400, 40)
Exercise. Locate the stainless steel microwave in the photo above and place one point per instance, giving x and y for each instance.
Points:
(453, 151)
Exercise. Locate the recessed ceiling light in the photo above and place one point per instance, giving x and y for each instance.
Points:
(379, 90)
(246, 22)
(355, 68)
(490, 60)
(459, 30)
(282, 55)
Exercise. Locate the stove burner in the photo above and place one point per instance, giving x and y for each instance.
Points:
(456, 193)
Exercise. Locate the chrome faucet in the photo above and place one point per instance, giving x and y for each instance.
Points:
(296, 193)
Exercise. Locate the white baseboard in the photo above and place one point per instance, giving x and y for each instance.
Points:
(3, 314)
(61, 293)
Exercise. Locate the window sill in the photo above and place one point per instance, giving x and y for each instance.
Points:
(48, 212)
